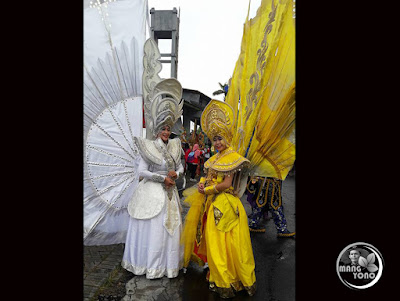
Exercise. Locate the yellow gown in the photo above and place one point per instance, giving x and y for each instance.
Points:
(216, 230)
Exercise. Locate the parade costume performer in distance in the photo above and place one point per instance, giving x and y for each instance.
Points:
(264, 195)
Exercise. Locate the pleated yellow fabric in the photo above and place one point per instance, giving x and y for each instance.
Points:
(262, 89)
(196, 201)
(229, 253)
(216, 231)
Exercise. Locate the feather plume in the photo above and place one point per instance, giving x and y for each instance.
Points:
(263, 90)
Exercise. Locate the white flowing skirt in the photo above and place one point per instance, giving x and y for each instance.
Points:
(151, 250)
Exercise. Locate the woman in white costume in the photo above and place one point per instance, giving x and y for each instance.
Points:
(152, 246)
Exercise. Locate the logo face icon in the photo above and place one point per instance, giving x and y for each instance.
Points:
(359, 265)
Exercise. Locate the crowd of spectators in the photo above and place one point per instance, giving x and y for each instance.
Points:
(195, 157)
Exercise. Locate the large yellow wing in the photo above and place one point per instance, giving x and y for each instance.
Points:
(262, 89)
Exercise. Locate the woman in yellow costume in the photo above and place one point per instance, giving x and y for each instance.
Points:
(216, 227)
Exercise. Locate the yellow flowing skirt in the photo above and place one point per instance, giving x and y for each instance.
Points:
(225, 236)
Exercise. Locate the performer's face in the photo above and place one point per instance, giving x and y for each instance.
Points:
(219, 143)
(165, 133)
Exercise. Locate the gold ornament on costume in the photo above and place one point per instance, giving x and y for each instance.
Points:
(218, 119)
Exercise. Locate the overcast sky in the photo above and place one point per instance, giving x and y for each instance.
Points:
(210, 35)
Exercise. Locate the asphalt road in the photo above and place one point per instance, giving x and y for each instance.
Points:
(274, 258)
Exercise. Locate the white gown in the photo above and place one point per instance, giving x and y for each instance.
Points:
(152, 244)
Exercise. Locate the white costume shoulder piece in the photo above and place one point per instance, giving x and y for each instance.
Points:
(149, 151)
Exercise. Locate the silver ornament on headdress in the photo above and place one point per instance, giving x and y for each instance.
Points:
(163, 101)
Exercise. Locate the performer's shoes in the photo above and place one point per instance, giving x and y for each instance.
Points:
(286, 233)
(258, 229)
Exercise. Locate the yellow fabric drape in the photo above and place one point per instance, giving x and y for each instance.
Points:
(262, 89)
(229, 250)
(216, 229)
(226, 243)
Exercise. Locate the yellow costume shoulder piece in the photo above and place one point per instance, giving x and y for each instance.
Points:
(228, 160)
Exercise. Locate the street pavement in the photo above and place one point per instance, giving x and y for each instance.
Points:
(105, 279)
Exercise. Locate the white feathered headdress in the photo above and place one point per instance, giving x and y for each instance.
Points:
(162, 97)
(166, 104)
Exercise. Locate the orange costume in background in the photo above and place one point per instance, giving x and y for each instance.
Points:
(216, 227)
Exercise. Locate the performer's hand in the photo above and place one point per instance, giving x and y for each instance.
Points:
(200, 188)
(172, 174)
(169, 182)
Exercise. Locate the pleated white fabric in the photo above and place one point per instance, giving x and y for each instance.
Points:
(152, 245)
(150, 250)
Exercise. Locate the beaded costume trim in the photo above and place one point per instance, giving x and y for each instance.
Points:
(227, 161)
(275, 183)
(157, 178)
(161, 147)
(151, 273)
(264, 196)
